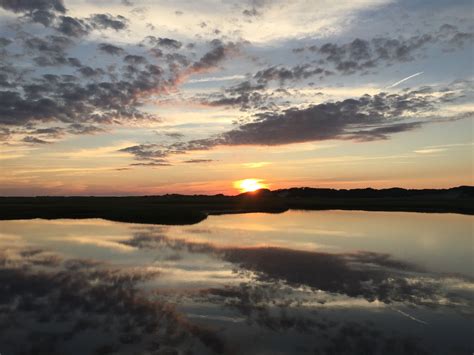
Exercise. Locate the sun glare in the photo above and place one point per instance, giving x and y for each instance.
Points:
(249, 185)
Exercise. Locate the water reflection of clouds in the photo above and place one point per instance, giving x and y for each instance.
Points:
(373, 276)
(110, 242)
(81, 306)
(192, 290)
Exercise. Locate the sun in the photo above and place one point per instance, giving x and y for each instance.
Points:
(250, 185)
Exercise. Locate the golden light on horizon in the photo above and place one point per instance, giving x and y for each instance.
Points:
(250, 185)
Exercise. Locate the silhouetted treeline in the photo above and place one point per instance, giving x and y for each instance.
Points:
(188, 209)
(461, 191)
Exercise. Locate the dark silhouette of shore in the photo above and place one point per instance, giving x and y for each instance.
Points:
(189, 209)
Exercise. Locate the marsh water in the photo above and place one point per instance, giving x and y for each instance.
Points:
(299, 282)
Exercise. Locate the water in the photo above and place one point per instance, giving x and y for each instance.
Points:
(300, 282)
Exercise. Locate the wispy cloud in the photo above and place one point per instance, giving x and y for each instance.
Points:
(430, 150)
(441, 148)
(259, 164)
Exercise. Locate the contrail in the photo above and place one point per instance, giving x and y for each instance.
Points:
(404, 79)
(410, 316)
(220, 78)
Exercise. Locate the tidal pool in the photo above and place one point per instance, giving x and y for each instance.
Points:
(300, 282)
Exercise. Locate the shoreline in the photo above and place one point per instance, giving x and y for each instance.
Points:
(185, 209)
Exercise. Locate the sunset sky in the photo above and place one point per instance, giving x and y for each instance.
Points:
(133, 97)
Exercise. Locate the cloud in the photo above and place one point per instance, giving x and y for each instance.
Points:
(174, 135)
(34, 140)
(215, 56)
(88, 96)
(198, 161)
(106, 21)
(363, 119)
(73, 27)
(154, 163)
(46, 11)
(430, 150)
(40, 11)
(282, 74)
(168, 43)
(31, 6)
(366, 118)
(146, 151)
(250, 12)
(245, 95)
(361, 55)
(110, 49)
(111, 94)
(78, 27)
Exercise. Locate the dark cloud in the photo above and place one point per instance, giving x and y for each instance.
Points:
(50, 61)
(73, 27)
(110, 49)
(5, 41)
(282, 74)
(198, 161)
(146, 151)
(46, 11)
(177, 62)
(40, 11)
(216, 55)
(254, 8)
(76, 27)
(43, 17)
(106, 21)
(5, 133)
(44, 135)
(252, 94)
(74, 62)
(78, 128)
(66, 99)
(111, 94)
(174, 135)
(134, 59)
(51, 132)
(51, 45)
(379, 133)
(361, 55)
(246, 95)
(251, 12)
(154, 163)
(168, 43)
(33, 5)
(367, 118)
(34, 140)
(91, 72)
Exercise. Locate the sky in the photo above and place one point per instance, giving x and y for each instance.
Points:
(142, 97)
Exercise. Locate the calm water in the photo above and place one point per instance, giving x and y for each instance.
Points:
(318, 282)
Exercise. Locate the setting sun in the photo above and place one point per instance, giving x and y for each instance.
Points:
(249, 185)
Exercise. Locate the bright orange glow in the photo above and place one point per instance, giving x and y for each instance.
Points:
(249, 185)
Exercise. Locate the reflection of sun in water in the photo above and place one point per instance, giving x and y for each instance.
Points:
(249, 185)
